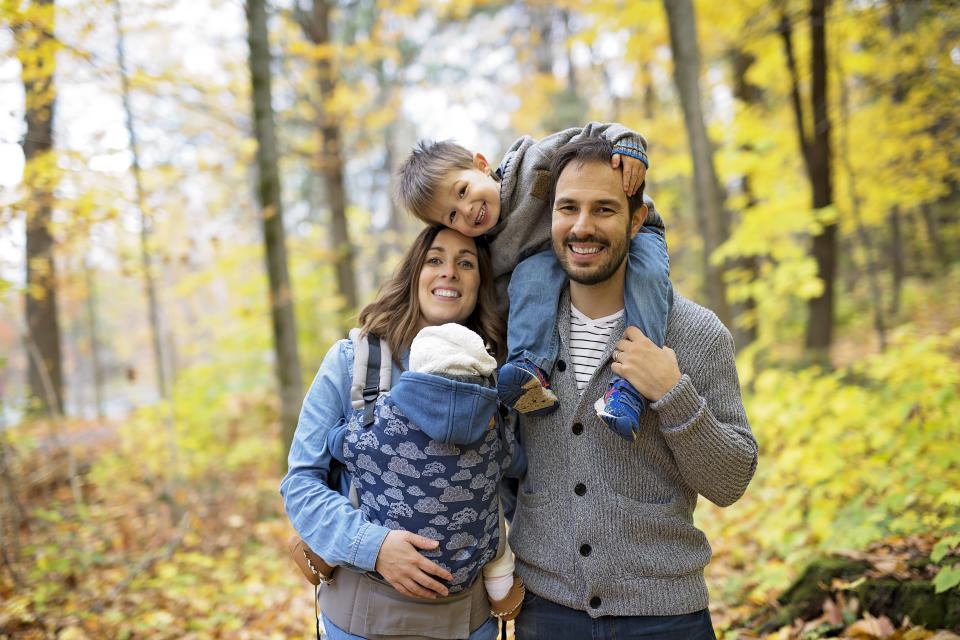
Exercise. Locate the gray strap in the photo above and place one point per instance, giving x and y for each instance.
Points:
(372, 385)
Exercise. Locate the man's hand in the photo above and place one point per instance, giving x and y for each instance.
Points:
(652, 370)
(406, 569)
(634, 172)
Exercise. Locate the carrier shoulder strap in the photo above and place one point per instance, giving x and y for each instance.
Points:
(372, 372)
(371, 387)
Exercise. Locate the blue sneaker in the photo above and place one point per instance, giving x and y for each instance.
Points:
(620, 409)
(524, 387)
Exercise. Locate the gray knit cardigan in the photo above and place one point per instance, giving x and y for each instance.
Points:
(605, 526)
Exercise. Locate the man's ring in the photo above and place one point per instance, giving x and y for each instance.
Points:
(616, 356)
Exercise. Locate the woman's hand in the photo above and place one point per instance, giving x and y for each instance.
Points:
(652, 370)
(406, 569)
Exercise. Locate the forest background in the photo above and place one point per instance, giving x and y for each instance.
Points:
(195, 201)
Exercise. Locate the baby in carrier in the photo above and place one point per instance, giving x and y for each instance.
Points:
(431, 461)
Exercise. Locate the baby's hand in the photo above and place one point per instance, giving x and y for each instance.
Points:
(634, 172)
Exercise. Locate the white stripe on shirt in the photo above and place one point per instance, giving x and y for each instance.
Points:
(588, 341)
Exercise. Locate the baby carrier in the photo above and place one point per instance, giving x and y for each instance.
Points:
(425, 455)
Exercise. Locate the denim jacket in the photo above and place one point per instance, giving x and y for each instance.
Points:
(324, 517)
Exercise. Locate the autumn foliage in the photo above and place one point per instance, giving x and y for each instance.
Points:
(145, 511)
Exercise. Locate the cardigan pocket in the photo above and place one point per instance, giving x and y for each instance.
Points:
(534, 522)
(658, 538)
(532, 499)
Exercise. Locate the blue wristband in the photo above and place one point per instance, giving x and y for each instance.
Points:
(633, 152)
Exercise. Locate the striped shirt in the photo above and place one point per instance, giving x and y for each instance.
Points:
(588, 340)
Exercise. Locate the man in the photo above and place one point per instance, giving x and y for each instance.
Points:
(603, 528)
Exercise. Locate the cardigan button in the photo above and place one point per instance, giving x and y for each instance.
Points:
(580, 489)
(585, 550)
(595, 602)
(561, 365)
(577, 428)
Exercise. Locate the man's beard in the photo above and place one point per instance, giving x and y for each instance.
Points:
(599, 273)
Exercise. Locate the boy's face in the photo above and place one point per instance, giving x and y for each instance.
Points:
(468, 200)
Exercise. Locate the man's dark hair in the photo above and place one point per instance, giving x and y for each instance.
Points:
(591, 149)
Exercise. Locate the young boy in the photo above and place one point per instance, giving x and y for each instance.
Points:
(443, 183)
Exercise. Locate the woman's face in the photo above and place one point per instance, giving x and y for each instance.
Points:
(449, 279)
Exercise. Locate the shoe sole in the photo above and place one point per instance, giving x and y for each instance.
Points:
(534, 398)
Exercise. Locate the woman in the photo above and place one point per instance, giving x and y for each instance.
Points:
(445, 277)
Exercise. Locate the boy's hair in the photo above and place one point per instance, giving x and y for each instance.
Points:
(394, 315)
(420, 174)
(592, 149)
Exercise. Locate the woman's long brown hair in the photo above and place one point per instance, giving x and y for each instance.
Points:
(395, 314)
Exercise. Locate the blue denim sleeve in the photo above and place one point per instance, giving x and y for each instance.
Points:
(534, 292)
(647, 293)
(324, 518)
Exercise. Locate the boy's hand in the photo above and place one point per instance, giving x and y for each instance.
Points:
(634, 172)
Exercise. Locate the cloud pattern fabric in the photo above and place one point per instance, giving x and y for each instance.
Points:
(406, 480)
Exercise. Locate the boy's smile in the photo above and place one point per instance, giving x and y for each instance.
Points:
(468, 200)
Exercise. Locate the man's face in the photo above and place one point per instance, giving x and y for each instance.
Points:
(591, 224)
(467, 200)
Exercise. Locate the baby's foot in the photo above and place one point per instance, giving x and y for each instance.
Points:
(509, 606)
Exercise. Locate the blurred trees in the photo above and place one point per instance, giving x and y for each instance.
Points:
(356, 83)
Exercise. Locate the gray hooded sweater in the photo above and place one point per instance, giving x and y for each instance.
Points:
(605, 526)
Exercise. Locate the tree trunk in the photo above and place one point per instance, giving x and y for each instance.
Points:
(36, 56)
(542, 37)
(268, 192)
(748, 94)
(896, 239)
(872, 268)
(816, 155)
(649, 99)
(316, 26)
(146, 261)
(389, 241)
(709, 196)
(94, 331)
(932, 224)
(896, 259)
